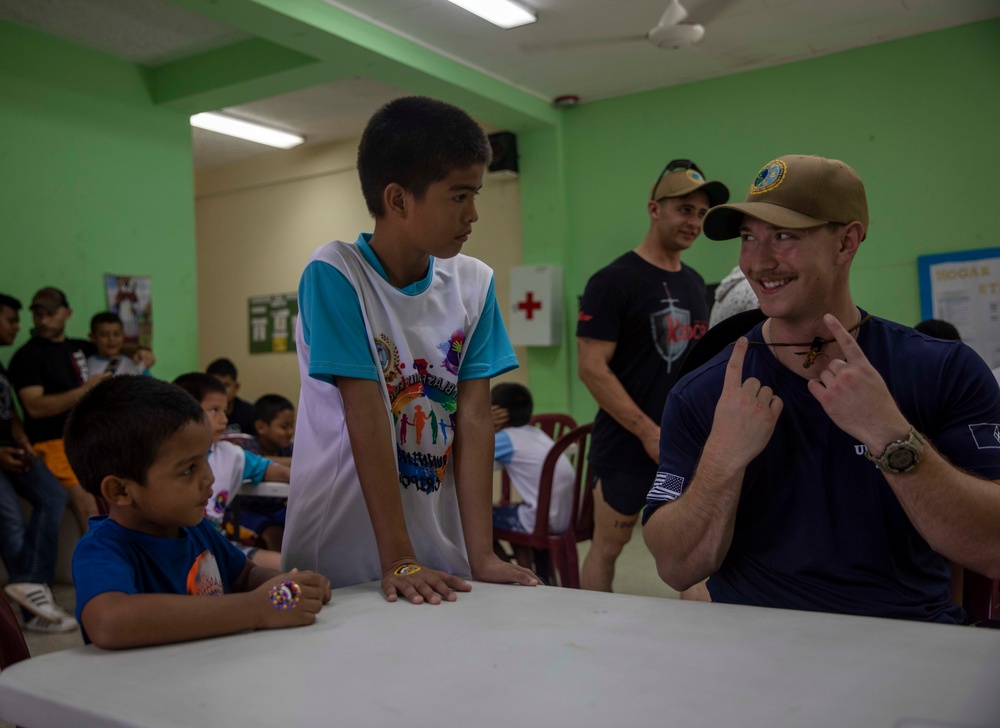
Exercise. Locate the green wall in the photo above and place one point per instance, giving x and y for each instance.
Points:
(95, 180)
(917, 118)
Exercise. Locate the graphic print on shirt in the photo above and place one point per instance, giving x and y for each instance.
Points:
(422, 396)
(673, 329)
(204, 579)
(6, 399)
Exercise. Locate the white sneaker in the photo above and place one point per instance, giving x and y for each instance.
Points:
(40, 624)
(36, 598)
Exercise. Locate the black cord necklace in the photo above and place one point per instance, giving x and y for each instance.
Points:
(816, 345)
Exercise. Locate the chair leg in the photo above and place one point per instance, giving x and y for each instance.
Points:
(543, 566)
(572, 566)
(559, 564)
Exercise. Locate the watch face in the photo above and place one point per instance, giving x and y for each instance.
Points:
(901, 459)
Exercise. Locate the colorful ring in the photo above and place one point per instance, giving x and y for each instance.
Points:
(285, 595)
(406, 569)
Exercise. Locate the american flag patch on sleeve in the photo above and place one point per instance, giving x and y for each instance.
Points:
(666, 487)
(986, 435)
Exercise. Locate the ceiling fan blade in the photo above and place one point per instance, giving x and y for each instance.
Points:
(674, 14)
(582, 44)
(707, 10)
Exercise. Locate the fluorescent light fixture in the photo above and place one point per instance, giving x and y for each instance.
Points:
(246, 130)
(504, 13)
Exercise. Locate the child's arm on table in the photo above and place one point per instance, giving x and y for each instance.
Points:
(277, 473)
(372, 445)
(474, 439)
(115, 620)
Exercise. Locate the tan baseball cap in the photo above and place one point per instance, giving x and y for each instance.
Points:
(50, 299)
(682, 177)
(796, 192)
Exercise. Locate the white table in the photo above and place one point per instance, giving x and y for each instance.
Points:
(265, 489)
(505, 656)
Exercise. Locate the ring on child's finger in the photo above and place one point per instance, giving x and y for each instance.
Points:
(285, 595)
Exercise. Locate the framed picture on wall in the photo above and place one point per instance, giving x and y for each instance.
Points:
(130, 298)
(272, 322)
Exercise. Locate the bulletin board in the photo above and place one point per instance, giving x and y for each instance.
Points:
(272, 322)
(963, 288)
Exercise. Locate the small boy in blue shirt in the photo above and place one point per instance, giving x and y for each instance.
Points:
(154, 571)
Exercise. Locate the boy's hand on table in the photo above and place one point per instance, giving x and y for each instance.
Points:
(498, 571)
(292, 599)
(418, 584)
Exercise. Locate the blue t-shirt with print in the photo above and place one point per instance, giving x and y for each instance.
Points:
(112, 558)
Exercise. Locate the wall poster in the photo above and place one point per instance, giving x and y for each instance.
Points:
(963, 288)
(272, 322)
(129, 297)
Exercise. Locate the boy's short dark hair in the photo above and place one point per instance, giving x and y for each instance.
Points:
(200, 385)
(104, 317)
(9, 302)
(270, 406)
(119, 426)
(222, 367)
(939, 329)
(516, 399)
(414, 142)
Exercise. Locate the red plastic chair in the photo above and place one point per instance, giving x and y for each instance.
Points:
(13, 648)
(562, 547)
(553, 424)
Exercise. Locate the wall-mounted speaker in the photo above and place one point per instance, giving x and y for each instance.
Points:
(504, 146)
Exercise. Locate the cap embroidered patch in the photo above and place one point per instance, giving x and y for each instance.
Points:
(770, 177)
(986, 435)
(694, 176)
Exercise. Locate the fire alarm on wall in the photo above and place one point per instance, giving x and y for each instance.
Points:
(566, 100)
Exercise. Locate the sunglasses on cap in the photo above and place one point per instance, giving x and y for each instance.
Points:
(679, 165)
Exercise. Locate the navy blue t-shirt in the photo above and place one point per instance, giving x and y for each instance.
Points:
(817, 526)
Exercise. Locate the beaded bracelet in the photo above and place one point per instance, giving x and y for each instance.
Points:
(406, 569)
(285, 595)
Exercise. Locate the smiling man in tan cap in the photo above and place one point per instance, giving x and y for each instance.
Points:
(638, 318)
(810, 465)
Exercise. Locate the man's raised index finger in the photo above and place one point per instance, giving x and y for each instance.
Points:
(847, 343)
(734, 369)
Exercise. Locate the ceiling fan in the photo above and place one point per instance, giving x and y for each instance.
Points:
(671, 32)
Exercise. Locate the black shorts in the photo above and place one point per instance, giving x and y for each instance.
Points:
(625, 489)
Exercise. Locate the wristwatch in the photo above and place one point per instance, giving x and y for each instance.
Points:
(899, 456)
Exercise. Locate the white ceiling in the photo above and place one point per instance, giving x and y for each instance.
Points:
(740, 35)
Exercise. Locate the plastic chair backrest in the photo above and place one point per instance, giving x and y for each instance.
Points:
(980, 596)
(553, 424)
(561, 547)
(13, 648)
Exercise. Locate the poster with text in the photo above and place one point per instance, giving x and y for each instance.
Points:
(963, 288)
(272, 322)
(129, 297)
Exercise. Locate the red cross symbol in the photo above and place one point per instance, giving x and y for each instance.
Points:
(529, 305)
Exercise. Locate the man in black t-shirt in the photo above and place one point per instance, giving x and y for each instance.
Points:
(638, 318)
(50, 376)
(29, 549)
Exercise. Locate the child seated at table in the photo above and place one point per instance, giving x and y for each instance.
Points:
(154, 570)
(108, 336)
(274, 422)
(274, 426)
(520, 449)
(231, 464)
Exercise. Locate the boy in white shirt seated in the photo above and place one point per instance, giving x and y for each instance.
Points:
(230, 463)
(108, 336)
(521, 449)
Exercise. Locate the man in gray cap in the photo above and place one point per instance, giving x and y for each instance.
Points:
(638, 318)
(830, 460)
